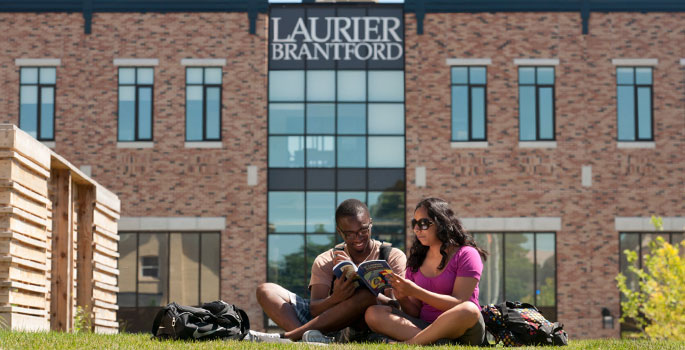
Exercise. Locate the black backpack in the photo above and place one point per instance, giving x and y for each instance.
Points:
(215, 320)
(517, 324)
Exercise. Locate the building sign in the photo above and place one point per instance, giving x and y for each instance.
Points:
(336, 36)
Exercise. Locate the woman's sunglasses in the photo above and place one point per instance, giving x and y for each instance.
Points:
(423, 224)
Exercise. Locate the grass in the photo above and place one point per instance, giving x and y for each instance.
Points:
(54, 340)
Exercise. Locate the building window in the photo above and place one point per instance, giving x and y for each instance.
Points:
(203, 104)
(157, 268)
(521, 266)
(37, 102)
(468, 103)
(536, 103)
(634, 103)
(639, 242)
(135, 104)
(334, 134)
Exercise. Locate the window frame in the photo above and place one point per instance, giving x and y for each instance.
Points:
(537, 102)
(204, 103)
(636, 103)
(535, 269)
(137, 87)
(469, 88)
(39, 104)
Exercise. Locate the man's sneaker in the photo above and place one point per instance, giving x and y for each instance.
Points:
(261, 337)
(314, 336)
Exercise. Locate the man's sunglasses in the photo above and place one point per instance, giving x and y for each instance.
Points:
(423, 224)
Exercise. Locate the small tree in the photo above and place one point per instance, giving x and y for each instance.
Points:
(658, 303)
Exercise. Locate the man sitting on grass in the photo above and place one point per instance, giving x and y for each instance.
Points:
(334, 304)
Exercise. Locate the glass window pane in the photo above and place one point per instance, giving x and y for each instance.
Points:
(286, 118)
(386, 118)
(286, 85)
(628, 241)
(152, 269)
(387, 211)
(213, 126)
(321, 118)
(146, 76)
(47, 75)
(351, 151)
(212, 75)
(526, 75)
(477, 75)
(211, 266)
(320, 151)
(184, 286)
(127, 269)
(527, 130)
(194, 75)
(127, 109)
(386, 179)
(47, 111)
(351, 179)
(317, 244)
(626, 113)
(545, 75)
(287, 263)
(386, 151)
(624, 75)
(193, 113)
(644, 112)
(460, 75)
(29, 75)
(546, 113)
(320, 212)
(518, 259)
(28, 110)
(460, 113)
(546, 269)
(386, 86)
(127, 75)
(491, 285)
(320, 85)
(351, 85)
(286, 151)
(345, 195)
(478, 113)
(643, 76)
(286, 179)
(145, 113)
(286, 212)
(320, 179)
(351, 118)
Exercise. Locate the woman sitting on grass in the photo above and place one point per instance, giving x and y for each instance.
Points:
(439, 296)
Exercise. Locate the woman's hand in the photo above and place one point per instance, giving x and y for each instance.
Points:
(402, 287)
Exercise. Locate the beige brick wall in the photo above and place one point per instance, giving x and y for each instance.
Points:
(499, 181)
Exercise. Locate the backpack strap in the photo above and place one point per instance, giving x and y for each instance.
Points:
(385, 249)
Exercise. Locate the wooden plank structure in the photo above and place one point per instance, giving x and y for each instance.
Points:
(58, 240)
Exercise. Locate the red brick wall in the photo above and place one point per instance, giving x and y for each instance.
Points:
(504, 180)
(167, 180)
(500, 181)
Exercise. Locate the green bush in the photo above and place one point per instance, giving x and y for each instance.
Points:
(656, 305)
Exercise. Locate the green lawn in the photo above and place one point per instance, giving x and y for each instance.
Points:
(44, 341)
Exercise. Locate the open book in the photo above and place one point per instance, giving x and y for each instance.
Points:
(371, 273)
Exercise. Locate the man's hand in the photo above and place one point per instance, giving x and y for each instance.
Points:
(339, 255)
(342, 289)
(402, 287)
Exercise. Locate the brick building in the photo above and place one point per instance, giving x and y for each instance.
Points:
(555, 132)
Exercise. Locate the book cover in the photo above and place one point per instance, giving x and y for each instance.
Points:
(371, 273)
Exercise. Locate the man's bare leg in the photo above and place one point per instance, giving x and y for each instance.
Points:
(275, 300)
(339, 316)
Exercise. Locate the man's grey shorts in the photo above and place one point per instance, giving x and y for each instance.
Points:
(301, 306)
(473, 336)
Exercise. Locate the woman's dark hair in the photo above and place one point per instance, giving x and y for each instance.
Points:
(448, 229)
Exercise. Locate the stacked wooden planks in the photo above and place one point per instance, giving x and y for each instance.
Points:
(58, 240)
(24, 225)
